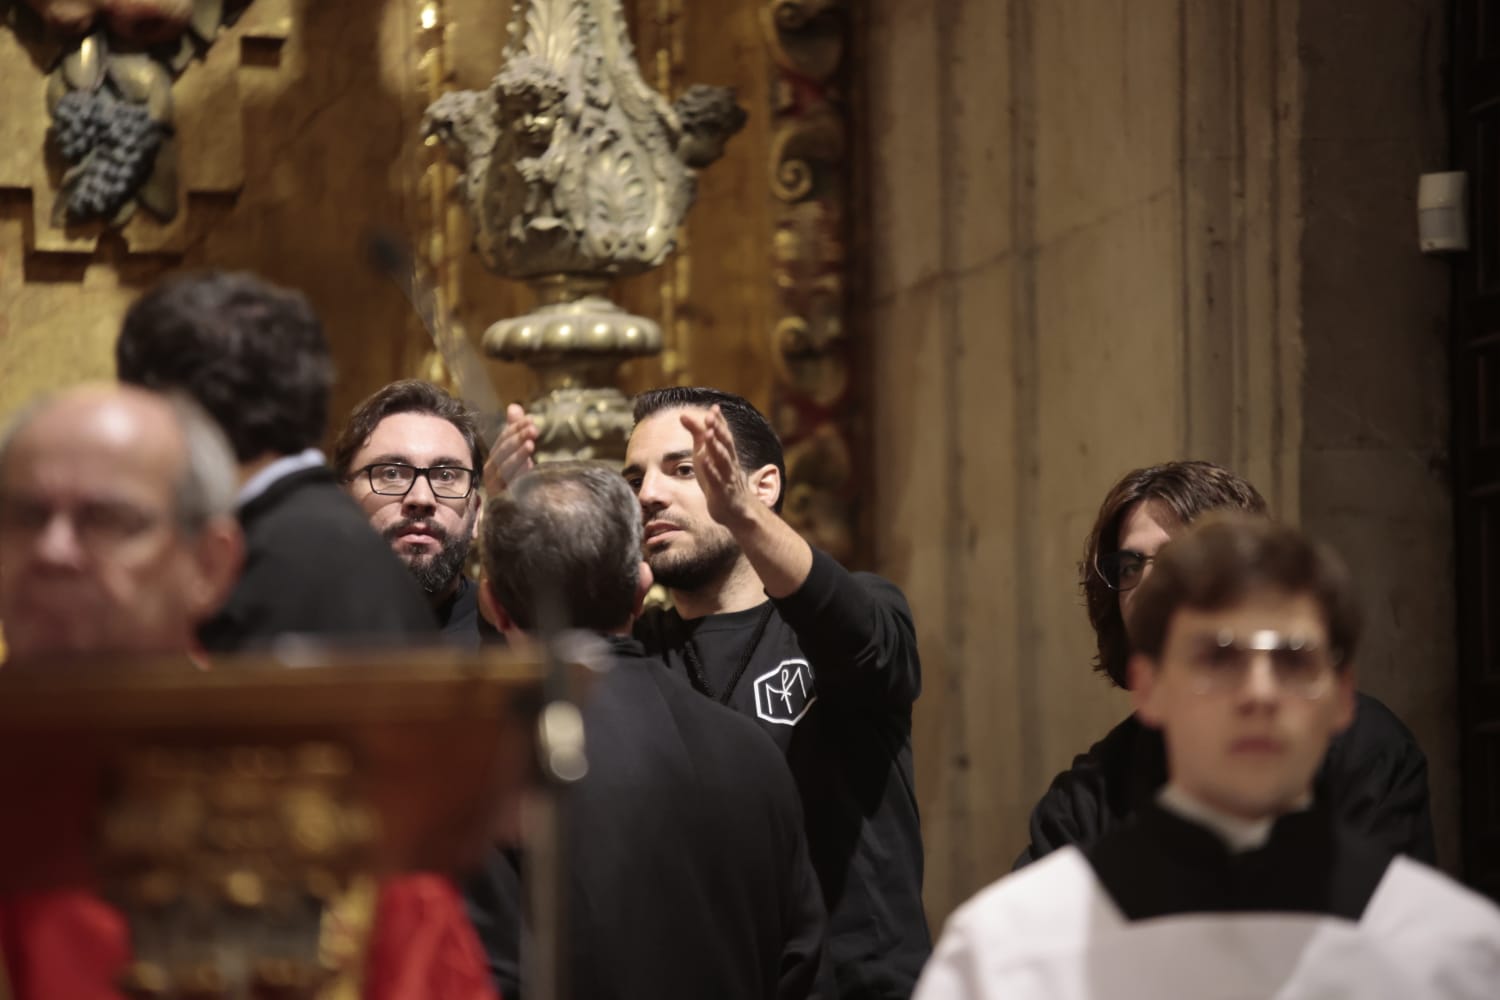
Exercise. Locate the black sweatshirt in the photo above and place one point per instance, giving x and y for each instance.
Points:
(831, 677)
(1374, 779)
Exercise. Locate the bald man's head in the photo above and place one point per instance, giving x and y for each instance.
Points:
(116, 533)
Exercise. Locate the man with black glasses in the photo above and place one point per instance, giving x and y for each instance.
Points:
(1375, 775)
(408, 455)
(254, 357)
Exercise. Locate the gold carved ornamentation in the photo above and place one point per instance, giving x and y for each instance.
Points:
(807, 37)
(441, 240)
(808, 178)
(123, 121)
(227, 858)
(237, 817)
(575, 172)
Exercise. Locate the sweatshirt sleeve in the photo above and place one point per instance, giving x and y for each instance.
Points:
(1375, 777)
(1069, 812)
(856, 628)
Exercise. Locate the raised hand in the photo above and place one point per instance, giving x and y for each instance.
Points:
(716, 465)
(513, 451)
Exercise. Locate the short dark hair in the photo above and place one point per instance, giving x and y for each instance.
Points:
(1188, 490)
(755, 441)
(569, 533)
(1228, 556)
(409, 395)
(251, 354)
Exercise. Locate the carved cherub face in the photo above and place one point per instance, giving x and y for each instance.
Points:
(530, 96)
(146, 21)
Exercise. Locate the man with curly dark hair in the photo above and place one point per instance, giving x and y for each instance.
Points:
(254, 356)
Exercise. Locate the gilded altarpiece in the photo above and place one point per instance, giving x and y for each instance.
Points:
(297, 136)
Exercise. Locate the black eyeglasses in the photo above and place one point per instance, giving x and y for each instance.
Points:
(1122, 570)
(392, 479)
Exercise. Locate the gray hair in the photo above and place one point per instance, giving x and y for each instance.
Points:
(209, 483)
(16, 424)
(563, 547)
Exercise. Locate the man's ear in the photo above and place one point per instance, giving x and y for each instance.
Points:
(767, 484)
(218, 557)
(643, 584)
(493, 611)
(1141, 673)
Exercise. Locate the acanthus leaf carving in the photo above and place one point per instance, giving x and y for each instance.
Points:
(584, 169)
(575, 173)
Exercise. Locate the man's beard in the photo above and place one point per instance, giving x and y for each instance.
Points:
(434, 572)
(694, 570)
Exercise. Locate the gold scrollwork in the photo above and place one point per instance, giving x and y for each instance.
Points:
(810, 354)
(806, 358)
(245, 844)
(806, 37)
(798, 149)
(820, 468)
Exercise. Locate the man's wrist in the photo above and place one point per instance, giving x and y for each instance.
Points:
(747, 518)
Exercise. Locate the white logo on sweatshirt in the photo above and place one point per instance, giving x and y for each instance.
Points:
(783, 695)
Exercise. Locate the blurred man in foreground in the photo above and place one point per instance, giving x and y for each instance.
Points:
(117, 537)
(1236, 879)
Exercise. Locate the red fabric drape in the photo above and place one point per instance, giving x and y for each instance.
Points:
(63, 944)
(422, 945)
(72, 945)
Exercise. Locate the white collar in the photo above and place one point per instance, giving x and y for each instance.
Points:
(279, 469)
(1238, 834)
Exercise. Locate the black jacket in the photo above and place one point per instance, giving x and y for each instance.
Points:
(1373, 780)
(686, 862)
(1159, 864)
(460, 621)
(314, 566)
(830, 673)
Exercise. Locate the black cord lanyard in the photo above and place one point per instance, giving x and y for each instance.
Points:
(695, 665)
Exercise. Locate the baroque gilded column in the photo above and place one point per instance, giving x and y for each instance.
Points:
(575, 173)
(813, 396)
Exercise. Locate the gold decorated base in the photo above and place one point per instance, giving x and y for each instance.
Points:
(226, 813)
(574, 340)
(583, 331)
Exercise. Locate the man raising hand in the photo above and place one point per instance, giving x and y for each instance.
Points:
(823, 659)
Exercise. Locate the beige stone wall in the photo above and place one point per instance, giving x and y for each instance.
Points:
(1086, 222)
(1374, 456)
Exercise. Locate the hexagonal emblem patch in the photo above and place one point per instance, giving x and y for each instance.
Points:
(783, 695)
